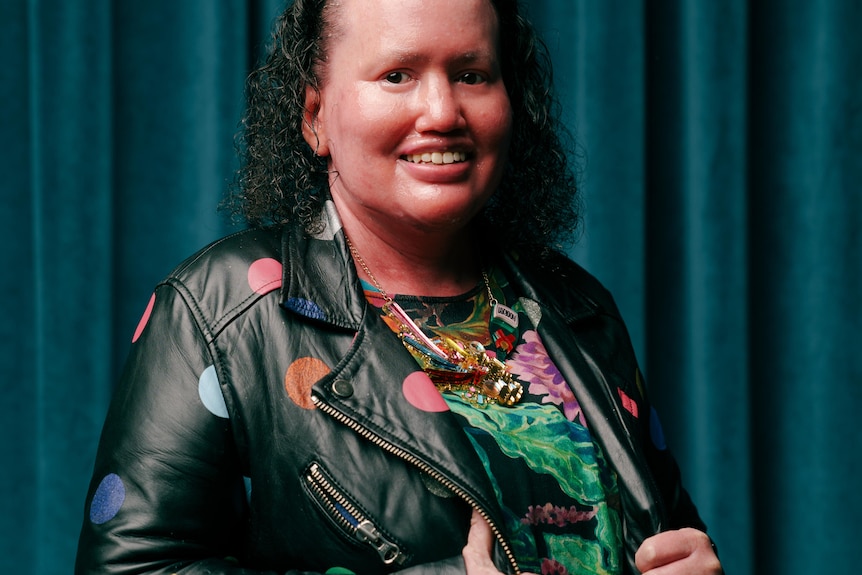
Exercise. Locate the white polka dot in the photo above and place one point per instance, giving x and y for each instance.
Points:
(210, 393)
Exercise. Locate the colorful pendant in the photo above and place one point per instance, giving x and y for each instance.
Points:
(503, 327)
(458, 366)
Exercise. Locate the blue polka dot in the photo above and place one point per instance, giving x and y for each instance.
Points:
(210, 393)
(304, 307)
(108, 499)
(656, 432)
(247, 482)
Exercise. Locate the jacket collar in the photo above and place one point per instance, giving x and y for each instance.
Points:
(319, 279)
(541, 284)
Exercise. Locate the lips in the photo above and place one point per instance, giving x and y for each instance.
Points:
(437, 158)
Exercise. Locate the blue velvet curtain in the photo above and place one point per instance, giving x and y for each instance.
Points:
(721, 149)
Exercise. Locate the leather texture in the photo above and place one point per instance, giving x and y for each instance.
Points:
(310, 407)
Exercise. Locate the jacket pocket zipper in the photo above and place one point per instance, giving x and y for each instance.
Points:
(349, 517)
(398, 452)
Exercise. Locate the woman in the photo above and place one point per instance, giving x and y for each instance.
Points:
(283, 409)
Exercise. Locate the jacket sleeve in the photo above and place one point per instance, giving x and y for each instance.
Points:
(676, 509)
(167, 491)
(168, 494)
(681, 510)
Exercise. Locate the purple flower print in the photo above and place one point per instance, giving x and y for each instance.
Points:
(549, 514)
(531, 364)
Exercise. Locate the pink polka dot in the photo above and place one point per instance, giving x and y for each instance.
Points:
(264, 275)
(420, 392)
(144, 319)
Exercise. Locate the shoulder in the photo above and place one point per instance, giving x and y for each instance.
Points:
(229, 254)
(556, 278)
(226, 277)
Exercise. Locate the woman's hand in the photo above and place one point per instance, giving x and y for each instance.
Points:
(477, 552)
(684, 552)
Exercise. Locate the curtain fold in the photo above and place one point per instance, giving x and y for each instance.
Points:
(720, 145)
(118, 121)
(179, 74)
(806, 280)
(697, 233)
(56, 245)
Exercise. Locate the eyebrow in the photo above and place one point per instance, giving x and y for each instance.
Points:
(407, 57)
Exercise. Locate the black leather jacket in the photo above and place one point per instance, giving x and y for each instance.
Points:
(309, 458)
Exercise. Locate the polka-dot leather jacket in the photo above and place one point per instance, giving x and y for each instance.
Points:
(267, 421)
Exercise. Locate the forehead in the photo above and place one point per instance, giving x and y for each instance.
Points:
(406, 25)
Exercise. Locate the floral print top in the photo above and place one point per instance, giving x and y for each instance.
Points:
(559, 496)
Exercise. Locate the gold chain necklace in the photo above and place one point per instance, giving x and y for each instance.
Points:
(464, 368)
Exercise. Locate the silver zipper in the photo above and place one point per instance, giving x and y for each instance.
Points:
(424, 467)
(350, 518)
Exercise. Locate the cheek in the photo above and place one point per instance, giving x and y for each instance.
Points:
(374, 106)
(371, 116)
(505, 129)
(496, 123)
(505, 120)
(360, 121)
(370, 113)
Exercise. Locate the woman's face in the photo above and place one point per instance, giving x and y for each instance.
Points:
(413, 114)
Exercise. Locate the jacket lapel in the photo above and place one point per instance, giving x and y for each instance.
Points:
(377, 389)
(610, 422)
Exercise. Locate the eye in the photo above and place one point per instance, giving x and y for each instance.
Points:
(471, 78)
(396, 77)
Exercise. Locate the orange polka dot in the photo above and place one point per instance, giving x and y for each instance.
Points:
(419, 391)
(300, 376)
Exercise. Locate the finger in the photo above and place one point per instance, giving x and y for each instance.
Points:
(477, 552)
(480, 535)
(689, 545)
(660, 550)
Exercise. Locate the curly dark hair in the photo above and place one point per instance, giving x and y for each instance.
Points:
(534, 211)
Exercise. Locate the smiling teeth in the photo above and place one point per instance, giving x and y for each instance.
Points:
(436, 157)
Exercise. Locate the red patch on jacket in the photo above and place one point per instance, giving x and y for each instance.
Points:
(629, 403)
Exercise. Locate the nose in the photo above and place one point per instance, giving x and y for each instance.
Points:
(440, 106)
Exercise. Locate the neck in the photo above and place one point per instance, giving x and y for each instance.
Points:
(418, 264)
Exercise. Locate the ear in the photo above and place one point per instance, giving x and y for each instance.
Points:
(312, 125)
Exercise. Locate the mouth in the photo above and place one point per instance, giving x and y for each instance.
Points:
(438, 158)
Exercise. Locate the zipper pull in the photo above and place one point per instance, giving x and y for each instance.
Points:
(388, 551)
